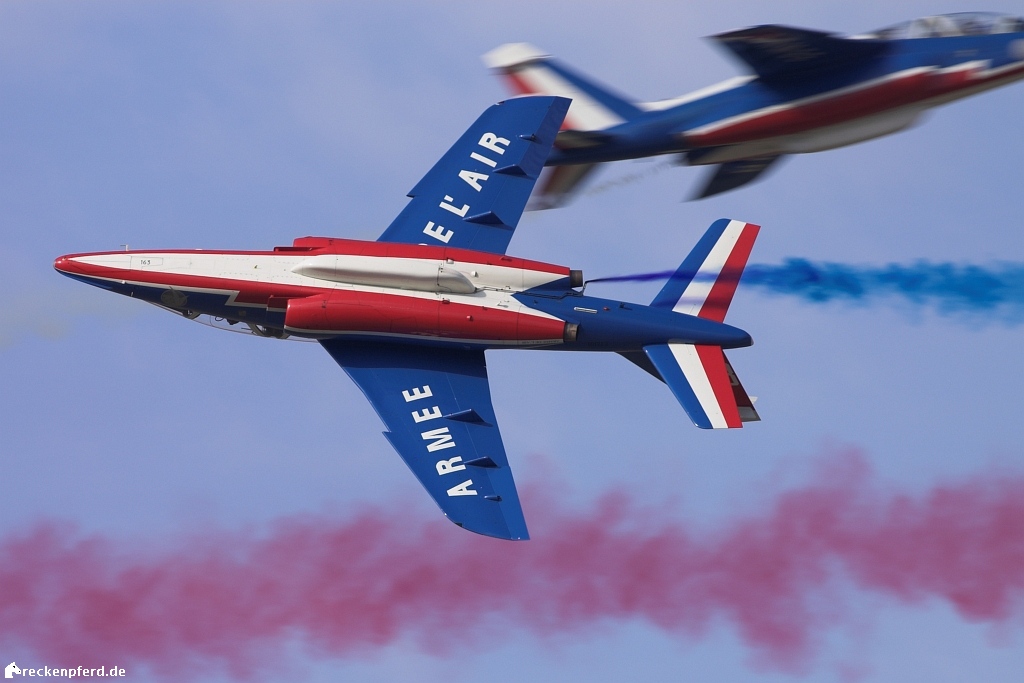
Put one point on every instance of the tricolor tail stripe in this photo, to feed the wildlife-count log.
(698, 378)
(529, 71)
(705, 282)
(723, 412)
(718, 299)
(584, 114)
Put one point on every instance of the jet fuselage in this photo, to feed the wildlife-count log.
(322, 288)
(748, 117)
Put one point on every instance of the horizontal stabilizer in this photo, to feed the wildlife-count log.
(640, 359)
(705, 282)
(744, 403)
(699, 379)
(784, 53)
(733, 174)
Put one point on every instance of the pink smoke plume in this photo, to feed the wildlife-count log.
(237, 599)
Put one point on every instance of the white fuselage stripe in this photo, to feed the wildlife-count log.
(273, 269)
(723, 86)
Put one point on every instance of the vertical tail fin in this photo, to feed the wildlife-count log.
(699, 375)
(706, 281)
(529, 71)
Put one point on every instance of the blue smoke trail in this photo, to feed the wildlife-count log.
(950, 288)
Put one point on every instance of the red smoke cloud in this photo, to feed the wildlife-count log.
(238, 598)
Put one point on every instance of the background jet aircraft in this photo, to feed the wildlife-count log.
(810, 91)
(409, 316)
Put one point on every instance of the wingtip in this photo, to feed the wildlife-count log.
(508, 534)
(703, 193)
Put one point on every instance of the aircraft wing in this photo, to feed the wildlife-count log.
(784, 53)
(733, 174)
(436, 405)
(559, 184)
(474, 196)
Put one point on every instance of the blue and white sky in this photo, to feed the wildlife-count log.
(244, 125)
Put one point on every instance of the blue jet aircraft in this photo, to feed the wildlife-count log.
(810, 91)
(410, 315)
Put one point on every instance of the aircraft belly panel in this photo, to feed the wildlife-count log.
(852, 132)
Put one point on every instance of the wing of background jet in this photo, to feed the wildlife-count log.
(436, 404)
(559, 184)
(784, 53)
(474, 196)
(733, 174)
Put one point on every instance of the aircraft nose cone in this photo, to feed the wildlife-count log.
(70, 265)
(93, 265)
(62, 264)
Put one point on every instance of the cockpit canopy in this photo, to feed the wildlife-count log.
(946, 25)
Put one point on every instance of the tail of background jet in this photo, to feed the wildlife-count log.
(527, 70)
(700, 376)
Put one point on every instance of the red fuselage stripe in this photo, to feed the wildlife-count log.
(841, 108)
(351, 311)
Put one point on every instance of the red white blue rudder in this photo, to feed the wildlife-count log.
(528, 70)
(705, 282)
